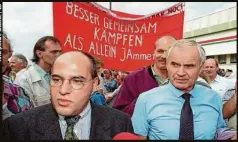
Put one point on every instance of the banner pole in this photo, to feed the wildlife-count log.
(110, 5)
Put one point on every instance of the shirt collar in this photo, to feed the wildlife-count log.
(82, 114)
(152, 68)
(178, 92)
(218, 78)
(155, 75)
(40, 70)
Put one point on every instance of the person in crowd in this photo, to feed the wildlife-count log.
(144, 79)
(35, 79)
(111, 97)
(14, 98)
(71, 115)
(229, 107)
(109, 83)
(228, 73)
(217, 82)
(97, 95)
(100, 65)
(8, 53)
(233, 76)
(116, 77)
(180, 109)
(17, 62)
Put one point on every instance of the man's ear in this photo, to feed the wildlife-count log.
(39, 53)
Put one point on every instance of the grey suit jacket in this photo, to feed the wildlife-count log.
(41, 123)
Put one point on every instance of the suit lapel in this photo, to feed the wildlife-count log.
(99, 125)
(47, 126)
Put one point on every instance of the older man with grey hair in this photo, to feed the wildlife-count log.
(181, 109)
(17, 62)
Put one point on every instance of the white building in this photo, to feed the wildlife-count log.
(217, 34)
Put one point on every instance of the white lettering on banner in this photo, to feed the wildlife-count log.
(102, 49)
(129, 27)
(134, 56)
(80, 13)
(115, 38)
(74, 42)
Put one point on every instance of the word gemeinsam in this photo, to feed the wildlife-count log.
(122, 42)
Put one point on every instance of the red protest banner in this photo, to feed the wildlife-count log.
(122, 41)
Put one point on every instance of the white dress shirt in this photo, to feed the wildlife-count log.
(221, 85)
(82, 127)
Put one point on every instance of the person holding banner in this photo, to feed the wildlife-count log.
(144, 79)
(181, 109)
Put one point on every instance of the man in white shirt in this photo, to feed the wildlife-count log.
(217, 82)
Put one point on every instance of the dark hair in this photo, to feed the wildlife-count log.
(229, 70)
(93, 63)
(40, 45)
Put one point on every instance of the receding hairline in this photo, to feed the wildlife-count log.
(183, 47)
(215, 61)
(165, 38)
(70, 54)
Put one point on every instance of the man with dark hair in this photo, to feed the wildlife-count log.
(71, 115)
(17, 62)
(35, 78)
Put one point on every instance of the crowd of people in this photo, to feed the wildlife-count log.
(181, 96)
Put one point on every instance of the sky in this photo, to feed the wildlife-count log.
(26, 22)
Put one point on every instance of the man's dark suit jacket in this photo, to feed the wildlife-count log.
(42, 123)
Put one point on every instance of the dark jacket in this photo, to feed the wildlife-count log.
(41, 123)
(133, 85)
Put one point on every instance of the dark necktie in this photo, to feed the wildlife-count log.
(69, 134)
(186, 120)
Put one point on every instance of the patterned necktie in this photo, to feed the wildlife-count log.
(69, 134)
(186, 131)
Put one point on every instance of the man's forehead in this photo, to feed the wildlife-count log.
(185, 52)
(210, 62)
(49, 44)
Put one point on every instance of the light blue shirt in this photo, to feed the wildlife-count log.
(82, 127)
(43, 73)
(157, 112)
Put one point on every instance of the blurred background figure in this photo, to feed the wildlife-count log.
(110, 84)
(17, 62)
(14, 98)
(97, 95)
(217, 82)
(229, 107)
(228, 73)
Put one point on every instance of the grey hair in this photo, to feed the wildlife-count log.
(182, 42)
(22, 58)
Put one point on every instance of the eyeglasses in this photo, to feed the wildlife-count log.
(75, 83)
